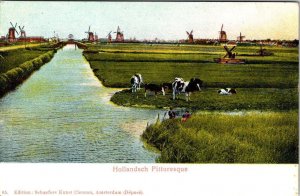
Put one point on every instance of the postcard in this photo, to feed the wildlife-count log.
(149, 98)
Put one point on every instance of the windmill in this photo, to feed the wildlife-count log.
(229, 53)
(229, 57)
(240, 38)
(22, 31)
(190, 36)
(222, 35)
(90, 36)
(109, 37)
(263, 52)
(120, 35)
(11, 33)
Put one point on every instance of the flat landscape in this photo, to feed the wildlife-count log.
(259, 124)
(160, 92)
(260, 121)
(268, 82)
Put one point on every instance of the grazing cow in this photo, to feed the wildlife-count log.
(136, 81)
(179, 86)
(167, 86)
(154, 88)
(140, 80)
(227, 91)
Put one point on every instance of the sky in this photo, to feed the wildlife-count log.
(150, 20)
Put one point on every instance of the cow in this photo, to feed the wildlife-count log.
(154, 88)
(227, 91)
(179, 86)
(167, 86)
(136, 81)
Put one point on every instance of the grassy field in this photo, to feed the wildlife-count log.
(268, 137)
(114, 67)
(17, 65)
(267, 84)
(20, 45)
(13, 58)
(213, 75)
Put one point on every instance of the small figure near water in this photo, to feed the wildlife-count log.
(171, 113)
(185, 116)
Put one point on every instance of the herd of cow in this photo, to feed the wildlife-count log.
(177, 86)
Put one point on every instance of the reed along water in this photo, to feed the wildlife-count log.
(62, 113)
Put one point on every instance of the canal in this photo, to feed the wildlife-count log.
(62, 113)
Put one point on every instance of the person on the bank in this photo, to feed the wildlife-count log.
(185, 116)
(171, 113)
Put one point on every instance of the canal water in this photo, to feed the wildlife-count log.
(62, 113)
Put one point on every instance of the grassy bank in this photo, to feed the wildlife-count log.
(209, 99)
(20, 65)
(16, 65)
(222, 138)
(13, 58)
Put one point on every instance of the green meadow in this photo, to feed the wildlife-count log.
(251, 137)
(267, 94)
(268, 80)
(14, 58)
(208, 99)
(115, 68)
(17, 65)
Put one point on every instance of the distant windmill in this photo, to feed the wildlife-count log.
(22, 31)
(90, 35)
(263, 52)
(190, 36)
(109, 37)
(240, 38)
(11, 33)
(222, 35)
(120, 35)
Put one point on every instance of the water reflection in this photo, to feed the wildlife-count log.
(62, 114)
